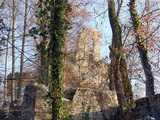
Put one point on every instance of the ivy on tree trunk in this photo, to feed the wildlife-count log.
(140, 42)
(56, 46)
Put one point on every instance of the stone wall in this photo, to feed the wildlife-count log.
(147, 108)
(91, 101)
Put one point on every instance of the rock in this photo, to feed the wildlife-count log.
(28, 104)
(69, 93)
(3, 115)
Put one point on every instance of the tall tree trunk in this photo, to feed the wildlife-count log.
(56, 48)
(44, 61)
(13, 49)
(43, 47)
(118, 64)
(5, 74)
(140, 42)
(22, 51)
(126, 81)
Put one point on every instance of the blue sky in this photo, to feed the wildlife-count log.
(100, 21)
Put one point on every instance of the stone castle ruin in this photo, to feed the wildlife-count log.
(88, 89)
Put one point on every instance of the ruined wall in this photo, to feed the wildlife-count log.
(146, 108)
(27, 78)
(91, 100)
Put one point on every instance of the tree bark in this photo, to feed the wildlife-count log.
(140, 42)
(22, 51)
(5, 74)
(13, 49)
(43, 46)
(118, 64)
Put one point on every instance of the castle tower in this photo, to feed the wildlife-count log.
(88, 49)
(96, 45)
(82, 53)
